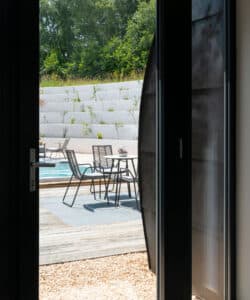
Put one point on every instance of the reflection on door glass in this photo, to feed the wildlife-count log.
(208, 199)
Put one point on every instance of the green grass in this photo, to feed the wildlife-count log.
(51, 82)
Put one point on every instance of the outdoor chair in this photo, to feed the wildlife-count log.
(60, 149)
(129, 178)
(89, 174)
(106, 167)
(101, 163)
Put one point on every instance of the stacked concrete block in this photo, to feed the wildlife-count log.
(108, 110)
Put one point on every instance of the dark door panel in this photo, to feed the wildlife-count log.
(19, 123)
(147, 157)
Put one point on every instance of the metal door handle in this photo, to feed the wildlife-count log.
(39, 164)
(36, 164)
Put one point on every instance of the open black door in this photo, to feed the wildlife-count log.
(19, 123)
(173, 44)
(147, 157)
(164, 152)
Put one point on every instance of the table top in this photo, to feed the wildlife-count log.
(117, 156)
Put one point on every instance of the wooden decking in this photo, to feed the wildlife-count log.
(62, 243)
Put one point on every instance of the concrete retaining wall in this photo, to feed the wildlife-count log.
(110, 109)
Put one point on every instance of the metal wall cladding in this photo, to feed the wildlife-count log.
(147, 160)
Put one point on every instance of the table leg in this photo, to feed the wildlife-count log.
(117, 185)
(106, 187)
(128, 184)
(133, 165)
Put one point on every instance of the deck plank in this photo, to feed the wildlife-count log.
(60, 242)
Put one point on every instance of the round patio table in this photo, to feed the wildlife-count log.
(120, 158)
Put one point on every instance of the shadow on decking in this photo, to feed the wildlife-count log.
(90, 229)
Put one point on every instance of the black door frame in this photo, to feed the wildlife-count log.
(20, 131)
(174, 149)
(230, 155)
(19, 102)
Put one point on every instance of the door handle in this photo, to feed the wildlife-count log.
(33, 166)
(42, 165)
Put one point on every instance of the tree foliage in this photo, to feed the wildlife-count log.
(95, 38)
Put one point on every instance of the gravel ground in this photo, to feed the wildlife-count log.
(123, 277)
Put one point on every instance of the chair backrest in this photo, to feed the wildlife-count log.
(65, 144)
(99, 151)
(73, 164)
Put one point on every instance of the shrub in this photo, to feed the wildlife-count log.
(99, 135)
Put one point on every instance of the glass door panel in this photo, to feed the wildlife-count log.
(208, 145)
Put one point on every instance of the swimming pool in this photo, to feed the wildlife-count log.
(61, 170)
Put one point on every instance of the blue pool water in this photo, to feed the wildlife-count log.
(61, 170)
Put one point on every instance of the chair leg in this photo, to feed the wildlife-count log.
(136, 196)
(116, 190)
(100, 186)
(119, 193)
(129, 190)
(113, 186)
(77, 189)
(106, 187)
(93, 183)
(91, 188)
(66, 191)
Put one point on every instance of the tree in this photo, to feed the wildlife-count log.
(95, 38)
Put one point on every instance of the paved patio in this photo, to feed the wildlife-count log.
(90, 229)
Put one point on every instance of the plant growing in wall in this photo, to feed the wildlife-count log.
(91, 113)
(41, 139)
(82, 108)
(102, 122)
(76, 97)
(122, 88)
(111, 109)
(117, 126)
(99, 135)
(67, 98)
(132, 110)
(86, 130)
(65, 131)
(125, 97)
(63, 115)
(94, 97)
(41, 136)
(72, 120)
(45, 119)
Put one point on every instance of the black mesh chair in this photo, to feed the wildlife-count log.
(60, 149)
(106, 167)
(89, 174)
(99, 160)
(129, 178)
